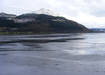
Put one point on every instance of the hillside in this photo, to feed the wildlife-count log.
(40, 23)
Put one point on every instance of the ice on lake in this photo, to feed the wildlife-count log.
(53, 54)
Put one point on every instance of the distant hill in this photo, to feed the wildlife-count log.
(38, 23)
(98, 29)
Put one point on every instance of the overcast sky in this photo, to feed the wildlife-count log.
(90, 13)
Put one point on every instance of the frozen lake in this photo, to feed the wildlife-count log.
(53, 54)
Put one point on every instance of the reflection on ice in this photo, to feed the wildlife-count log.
(13, 47)
(80, 52)
(75, 44)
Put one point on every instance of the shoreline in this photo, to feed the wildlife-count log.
(33, 33)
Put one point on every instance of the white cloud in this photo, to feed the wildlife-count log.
(90, 20)
(90, 13)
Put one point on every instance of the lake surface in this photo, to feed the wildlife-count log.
(53, 54)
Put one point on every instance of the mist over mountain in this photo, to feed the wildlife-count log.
(7, 16)
(40, 22)
(46, 12)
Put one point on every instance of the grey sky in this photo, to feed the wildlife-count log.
(91, 13)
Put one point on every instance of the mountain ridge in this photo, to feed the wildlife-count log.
(37, 23)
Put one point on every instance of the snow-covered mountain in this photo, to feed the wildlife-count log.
(41, 21)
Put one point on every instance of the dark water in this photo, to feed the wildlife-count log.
(53, 54)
